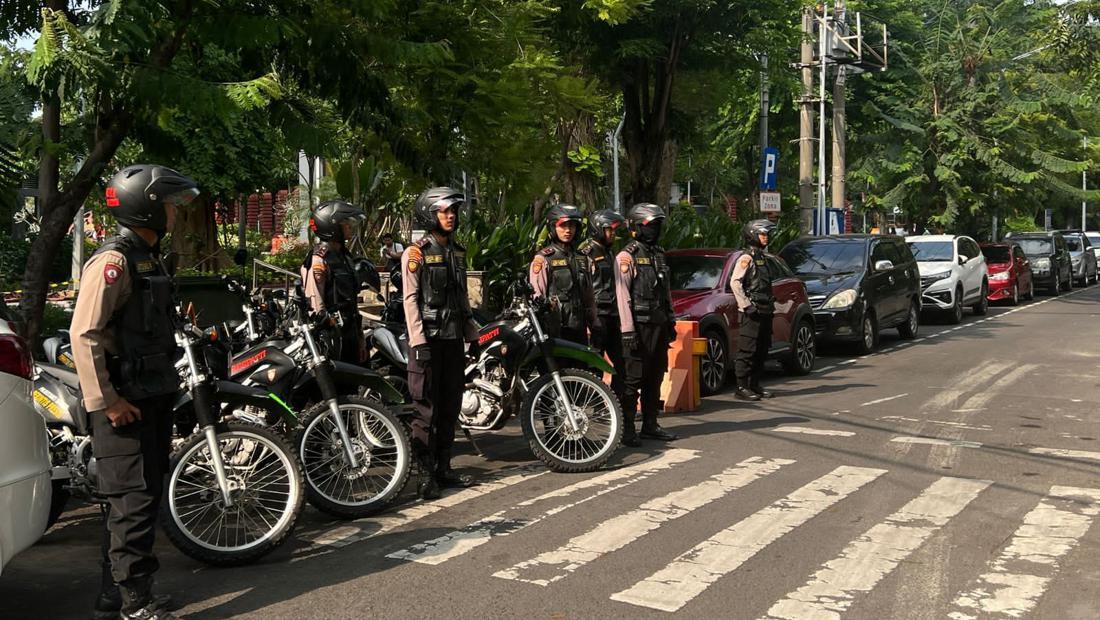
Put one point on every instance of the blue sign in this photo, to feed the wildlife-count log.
(834, 219)
(769, 168)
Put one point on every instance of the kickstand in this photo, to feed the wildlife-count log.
(470, 438)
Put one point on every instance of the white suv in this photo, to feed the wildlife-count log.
(953, 274)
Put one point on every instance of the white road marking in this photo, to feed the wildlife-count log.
(946, 398)
(624, 529)
(969, 427)
(1069, 454)
(933, 441)
(457, 542)
(872, 556)
(804, 430)
(690, 574)
(824, 368)
(980, 400)
(1016, 580)
(883, 400)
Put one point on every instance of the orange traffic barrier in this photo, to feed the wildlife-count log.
(680, 389)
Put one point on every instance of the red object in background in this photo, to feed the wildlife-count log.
(253, 211)
(1008, 259)
(267, 217)
(847, 216)
(280, 210)
(731, 207)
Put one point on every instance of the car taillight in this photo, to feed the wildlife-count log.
(15, 356)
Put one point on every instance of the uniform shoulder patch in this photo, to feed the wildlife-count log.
(416, 257)
(624, 263)
(111, 272)
(537, 264)
(744, 261)
(547, 251)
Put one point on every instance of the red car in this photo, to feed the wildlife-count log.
(1009, 272)
(701, 292)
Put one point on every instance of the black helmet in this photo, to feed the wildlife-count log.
(752, 231)
(433, 201)
(137, 195)
(604, 219)
(367, 274)
(562, 214)
(327, 218)
(644, 213)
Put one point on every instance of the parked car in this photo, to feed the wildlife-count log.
(1094, 241)
(1009, 273)
(24, 449)
(700, 282)
(1081, 256)
(953, 274)
(1051, 267)
(858, 285)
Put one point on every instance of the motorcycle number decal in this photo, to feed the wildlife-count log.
(66, 360)
(46, 401)
(489, 335)
(247, 362)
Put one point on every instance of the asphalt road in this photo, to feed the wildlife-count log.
(954, 476)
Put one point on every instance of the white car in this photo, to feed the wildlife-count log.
(25, 488)
(953, 274)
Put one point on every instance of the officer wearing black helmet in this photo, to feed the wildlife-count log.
(330, 276)
(752, 287)
(437, 312)
(646, 320)
(598, 250)
(123, 345)
(559, 275)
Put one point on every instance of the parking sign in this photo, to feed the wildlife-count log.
(770, 202)
(769, 168)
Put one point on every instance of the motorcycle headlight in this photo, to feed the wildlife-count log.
(842, 299)
(1042, 264)
(935, 277)
(1000, 276)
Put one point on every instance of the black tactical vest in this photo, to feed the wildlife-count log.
(341, 292)
(443, 289)
(651, 300)
(564, 281)
(143, 327)
(601, 266)
(757, 282)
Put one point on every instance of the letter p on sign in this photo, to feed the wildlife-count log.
(769, 168)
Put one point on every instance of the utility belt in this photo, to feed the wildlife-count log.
(437, 320)
(646, 313)
(144, 375)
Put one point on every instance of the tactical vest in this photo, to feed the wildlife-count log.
(757, 282)
(443, 289)
(564, 281)
(651, 300)
(601, 266)
(144, 327)
(341, 292)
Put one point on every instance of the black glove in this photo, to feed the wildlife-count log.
(630, 342)
(598, 338)
(750, 311)
(422, 353)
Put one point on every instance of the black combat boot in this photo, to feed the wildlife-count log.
(427, 487)
(743, 392)
(138, 602)
(109, 602)
(755, 388)
(652, 430)
(447, 477)
(630, 434)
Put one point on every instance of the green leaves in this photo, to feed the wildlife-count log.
(586, 159)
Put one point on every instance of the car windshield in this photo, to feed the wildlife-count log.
(694, 272)
(1094, 239)
(824, 257)
(933, 250)
(996, 254)
(1073, 244)
(1035, 247)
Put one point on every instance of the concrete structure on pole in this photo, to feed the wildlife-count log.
(805, 126)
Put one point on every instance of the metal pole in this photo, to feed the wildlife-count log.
(78, 248)
(615, 162)
(764, 103)
(821, 206)
(840, 123)
(1084, 184)
(806, 125)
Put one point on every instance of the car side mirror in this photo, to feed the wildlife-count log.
(883, 265)
(963, 258)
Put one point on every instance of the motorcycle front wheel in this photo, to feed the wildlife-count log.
(554, 440)
(265, 480)
(381, 447)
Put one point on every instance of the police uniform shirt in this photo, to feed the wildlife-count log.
(105, 286)
(412, 261)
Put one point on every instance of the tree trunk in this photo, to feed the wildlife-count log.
(195, 237)
(579, 187)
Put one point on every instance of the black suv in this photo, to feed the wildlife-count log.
(857, 285)
(1051, 266)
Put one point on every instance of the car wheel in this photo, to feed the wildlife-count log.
(1031, 290)
(982, 306)
(715, 363)
(868, 334)
(1015, 299)
(803, 354)
(1069, 282)
(908, 329)
(955, 314)
(1056, 289)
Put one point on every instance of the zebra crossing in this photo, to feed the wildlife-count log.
(1011, 583)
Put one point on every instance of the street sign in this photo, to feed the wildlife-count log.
(769, 168)
(770, 203)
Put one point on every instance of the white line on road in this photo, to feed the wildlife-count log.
(624, 529)
(933, 441)
(1069, 454)
(1018, 577)
(804, 430)
(872, 556)
(690, 574)
(983, 427)
(980, 400)
(883, 400)
(458, 542)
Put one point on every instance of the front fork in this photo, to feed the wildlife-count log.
(206, 412)
(322, 370)
(555, 373)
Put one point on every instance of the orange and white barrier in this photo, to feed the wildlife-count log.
(680, 389)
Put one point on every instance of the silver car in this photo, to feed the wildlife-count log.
(1082, 257)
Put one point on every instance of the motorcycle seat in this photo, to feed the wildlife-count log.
(63, 374)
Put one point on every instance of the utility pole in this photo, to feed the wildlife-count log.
(840, 121)
(822, 52)
(805, 125)
(1084, 184)
(764, 102)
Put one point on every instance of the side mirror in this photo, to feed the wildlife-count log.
(240, 257)
(883, 265)
(963, 258)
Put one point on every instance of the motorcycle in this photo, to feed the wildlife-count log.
(233, 490)
(355, 453)
(572, 421)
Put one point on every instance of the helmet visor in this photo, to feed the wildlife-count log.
(447, 203)
(352, 226)
(182, 197)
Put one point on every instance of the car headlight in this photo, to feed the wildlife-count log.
(843, 299)
(1042, 264)
(942, 275)
(1076, 261)
(1001, 276)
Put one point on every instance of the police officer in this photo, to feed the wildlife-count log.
(606, 335)
(752, 287)
(123, 344)
(559, 274)
(329, 272)
(437, 311)
(646, 320)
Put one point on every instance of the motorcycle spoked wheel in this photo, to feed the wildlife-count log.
(549, 434)
(266, 482)
(381, 444)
